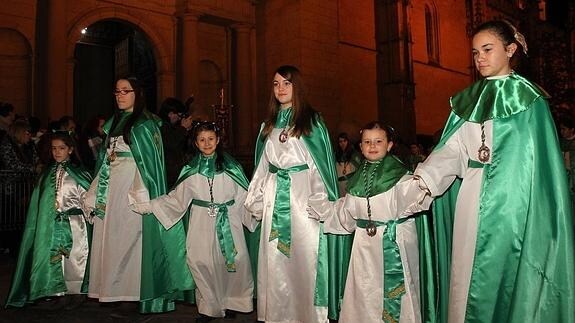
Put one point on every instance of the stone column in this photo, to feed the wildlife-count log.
(189, 55)
(57, 69)
(244, 107)
(396, 87)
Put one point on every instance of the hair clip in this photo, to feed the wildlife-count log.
(58, 131)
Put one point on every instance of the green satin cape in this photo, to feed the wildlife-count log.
(164, 273)
(334, 250)
(35, 276)
(523, 269)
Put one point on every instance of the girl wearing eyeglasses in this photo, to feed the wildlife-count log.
(210, 195)
(133, 258)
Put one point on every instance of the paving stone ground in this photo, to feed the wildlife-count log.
(92, 311)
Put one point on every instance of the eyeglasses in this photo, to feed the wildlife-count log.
(122, 92)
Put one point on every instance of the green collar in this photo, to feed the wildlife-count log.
(284, 117)
(489, 99)
(385, 174)
(207, 165)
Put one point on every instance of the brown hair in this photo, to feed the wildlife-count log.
(303, 114)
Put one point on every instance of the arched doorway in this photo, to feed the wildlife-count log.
(15, 71)
(109, 49)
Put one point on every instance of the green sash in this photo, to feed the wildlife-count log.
(223, 231)
(393, 277)
(333, 250)
(281, 218)
(62, 235)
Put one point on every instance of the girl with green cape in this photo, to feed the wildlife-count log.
(383, 281)
(53, 254)
(133, 258)
(295, 165)
(503, 224)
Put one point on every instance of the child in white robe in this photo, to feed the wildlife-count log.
(212, 186)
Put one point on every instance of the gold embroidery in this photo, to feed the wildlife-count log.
(398, 291)
(387, 317)
(284, 248)
(274, 234)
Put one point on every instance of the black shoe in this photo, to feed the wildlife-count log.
(75, 301)
(55, 303)
(204, 318)
(230, 314)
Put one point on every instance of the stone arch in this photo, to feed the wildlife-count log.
(159, 45)
(16, 70)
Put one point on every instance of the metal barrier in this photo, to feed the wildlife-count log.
(15, 192)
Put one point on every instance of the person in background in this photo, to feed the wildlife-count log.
(416, 155)
(567, 142)
(53, 256)
(7, 116)
(17, 151)
(347, 160)
(67, 123)
(133, 258)
(175, 126)
(91, 139)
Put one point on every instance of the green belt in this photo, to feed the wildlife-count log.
(393, 277)
(223, 231)
(475, 164)
(345, 177)
(103, 183)
(62, 235)
(281, 218)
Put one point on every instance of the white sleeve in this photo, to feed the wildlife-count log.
(443, 165)
(170, 208)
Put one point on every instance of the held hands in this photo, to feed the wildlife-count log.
(319, 210)
(143, 208)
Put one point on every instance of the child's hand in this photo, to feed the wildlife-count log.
(319, 209)
(142, 208)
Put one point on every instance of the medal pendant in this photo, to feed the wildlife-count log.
(483, 153)
(371, 229)
(283, 136)
(212, 210)
(112, 156)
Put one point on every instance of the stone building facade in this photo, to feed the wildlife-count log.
(395, 60)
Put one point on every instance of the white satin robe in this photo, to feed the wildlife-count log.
(286, 285)
(438, 171)
(217, 289)
(74, 267)
(116, 257)
(363, 295)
